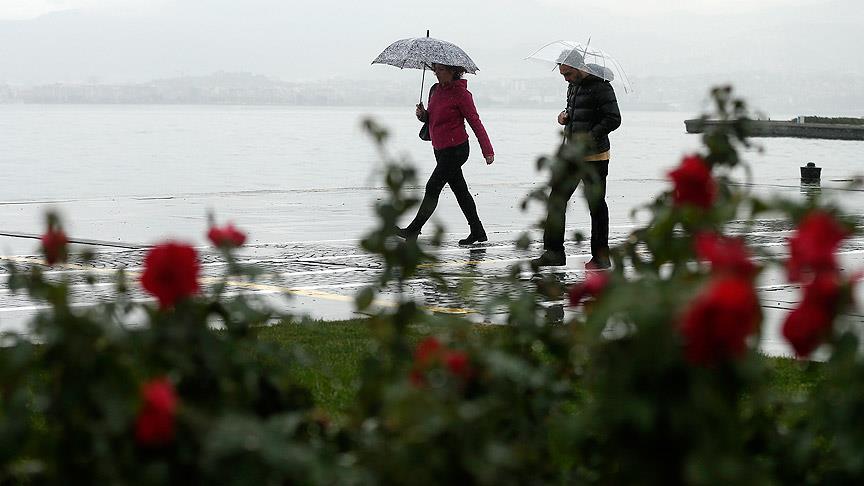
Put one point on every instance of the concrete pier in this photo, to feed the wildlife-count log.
(789, 129)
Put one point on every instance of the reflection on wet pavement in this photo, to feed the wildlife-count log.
(319, 279)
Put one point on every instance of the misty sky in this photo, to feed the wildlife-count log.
(45, 41)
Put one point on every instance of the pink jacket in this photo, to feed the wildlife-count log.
(449, 107)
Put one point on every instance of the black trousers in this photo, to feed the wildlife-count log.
(448, 170)
(593, 174)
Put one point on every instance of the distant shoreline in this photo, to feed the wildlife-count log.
(763, 93)
(522, 106)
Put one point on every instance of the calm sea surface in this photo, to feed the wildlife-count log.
(71, 152)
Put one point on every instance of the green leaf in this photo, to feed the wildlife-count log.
(364, 298)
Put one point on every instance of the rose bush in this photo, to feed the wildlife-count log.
(142, 393)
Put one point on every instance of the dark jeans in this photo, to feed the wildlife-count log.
(448, 170)
(594, 175)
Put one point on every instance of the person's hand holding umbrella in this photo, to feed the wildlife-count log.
(420, 112)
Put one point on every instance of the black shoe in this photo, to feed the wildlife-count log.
(407, 234)
(550, 258)
(477, 235)
(598, 264)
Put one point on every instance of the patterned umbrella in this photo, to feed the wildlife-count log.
(421, 52)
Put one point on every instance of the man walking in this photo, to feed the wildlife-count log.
(591, 114)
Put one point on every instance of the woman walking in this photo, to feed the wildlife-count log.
(450, 105)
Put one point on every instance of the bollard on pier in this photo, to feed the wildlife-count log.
(810, 173)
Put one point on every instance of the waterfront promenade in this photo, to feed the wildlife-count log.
(314, 269)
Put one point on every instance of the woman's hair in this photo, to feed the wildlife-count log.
(457, 71)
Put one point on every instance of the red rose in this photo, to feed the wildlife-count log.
(417, 378)
(54, 246)
(811, 249)
(728, 256)
(824, 290)
(457, 363)
(593, 286)
(427, 351)
(693, 183)
(171, 273)
(226, 237)
(430, 352)
(716, 325)
(154, 425)
(807, 326)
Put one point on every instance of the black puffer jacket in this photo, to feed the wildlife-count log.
(593, 109)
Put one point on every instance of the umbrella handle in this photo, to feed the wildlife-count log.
(422, 83)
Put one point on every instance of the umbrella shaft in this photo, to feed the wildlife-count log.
(422, 83)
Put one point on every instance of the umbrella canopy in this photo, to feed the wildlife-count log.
(421, 52)
(584, 58)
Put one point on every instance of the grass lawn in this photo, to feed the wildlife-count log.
(333, 352)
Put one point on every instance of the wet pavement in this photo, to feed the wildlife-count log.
(305, 244)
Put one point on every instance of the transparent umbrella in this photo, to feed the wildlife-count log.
(422, 52)
(586, 58)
